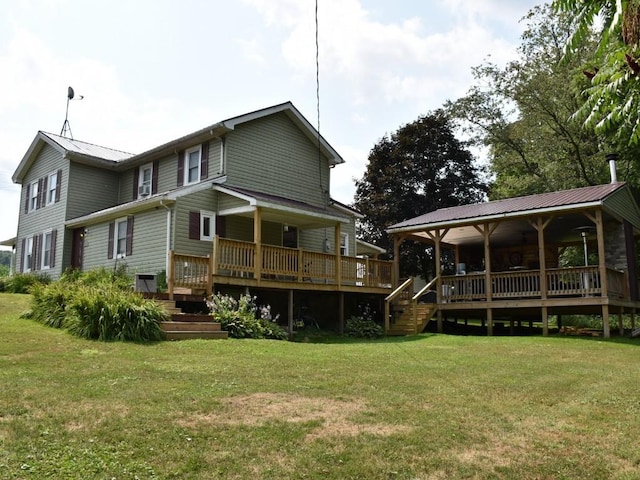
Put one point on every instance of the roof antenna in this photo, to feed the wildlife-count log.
(66, 126)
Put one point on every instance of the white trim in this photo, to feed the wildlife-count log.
(141, 182)
(236, 210)
(212, 225)
(233, 193)
(187, 153)
(44, 243)
(346, 244)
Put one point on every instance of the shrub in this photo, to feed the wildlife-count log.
(363, 328)
(240, 317)
(22, 282)
(98, 304)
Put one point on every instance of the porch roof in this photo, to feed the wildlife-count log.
(615, 199)
(281, 210)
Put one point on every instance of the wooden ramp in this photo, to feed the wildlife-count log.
(185, 326)
(410, 318)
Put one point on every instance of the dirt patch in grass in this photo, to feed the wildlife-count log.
(335, 416)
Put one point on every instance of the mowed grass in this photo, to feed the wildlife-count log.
(425, 407)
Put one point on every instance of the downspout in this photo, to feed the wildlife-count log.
(166, 260)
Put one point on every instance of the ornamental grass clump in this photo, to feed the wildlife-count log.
(242, 318)
(99, 304)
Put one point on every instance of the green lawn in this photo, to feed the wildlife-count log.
(426, 407)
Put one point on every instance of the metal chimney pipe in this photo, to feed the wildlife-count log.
(612, 158)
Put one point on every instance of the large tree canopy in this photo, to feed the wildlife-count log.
(523, 111)
(418, 169)
(612, 104)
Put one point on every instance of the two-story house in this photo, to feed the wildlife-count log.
(241, 203)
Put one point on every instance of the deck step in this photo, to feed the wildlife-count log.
(190, 326)
(193, 335)
(191, 317)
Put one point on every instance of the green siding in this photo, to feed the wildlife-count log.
(272, 155)
(48, 161)
(205, 200)
(90, 190)
(227, 202)
(149, 244)
(623, 204)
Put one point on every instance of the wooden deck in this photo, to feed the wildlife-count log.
(240, 263)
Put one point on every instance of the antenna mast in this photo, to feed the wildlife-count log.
(66, 126)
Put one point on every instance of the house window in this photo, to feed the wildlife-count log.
(144, 180)
(47, 245)
(344, 244)
(33, 199)
(207, 226)
(27, 255)
(120, 239)
(192, 165)
(52, 188)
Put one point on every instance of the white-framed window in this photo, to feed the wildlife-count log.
(344, 244)
(120, 238)
(47, 246)
(33, 196)
(27, 255)
(192, 165)
(144, 180)
(52, 188)
(207, 225)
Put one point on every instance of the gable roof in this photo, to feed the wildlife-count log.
(112, 158)
(514, 207)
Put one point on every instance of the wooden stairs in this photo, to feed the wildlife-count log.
(407, 322)
(185, 326)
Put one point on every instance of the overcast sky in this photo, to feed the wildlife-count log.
(153, 70)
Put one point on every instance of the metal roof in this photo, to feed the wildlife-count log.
(542, 201)
(89, 149)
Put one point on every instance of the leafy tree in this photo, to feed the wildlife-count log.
(522, 113)
(612, 104)
(418, 169)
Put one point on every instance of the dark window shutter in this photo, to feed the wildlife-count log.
(24, 245)
(181, 168)
(194, 225)
(27, 198)
(204, 161)
(154, 177)
(52, 255)
(43, 193)
(39, 198)
(35, 257)
(221, 226)
(112, 231)
(136, 179)
(58, 185)
(129, 250)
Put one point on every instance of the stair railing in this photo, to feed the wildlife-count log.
(414, 302)
(392, 296)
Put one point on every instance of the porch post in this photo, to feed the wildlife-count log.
(540, 226)
(397, 240)
(545, 321)
(171, 275)
(257, 239)
(620, 325)
(601, 256)
(605, 321)
(336, 251)
(437, 239)
(490, 322)
(290, 313)
(487, 230)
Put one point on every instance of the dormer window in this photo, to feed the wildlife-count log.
(192, 165)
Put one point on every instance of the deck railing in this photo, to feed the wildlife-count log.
(238, 258)
(561, 282)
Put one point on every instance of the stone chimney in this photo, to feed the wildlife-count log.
(612, 158)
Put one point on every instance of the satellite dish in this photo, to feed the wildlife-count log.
(70, 93)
